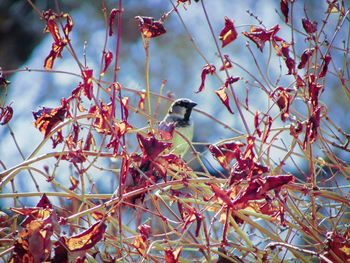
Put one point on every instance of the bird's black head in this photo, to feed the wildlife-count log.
(182, 107)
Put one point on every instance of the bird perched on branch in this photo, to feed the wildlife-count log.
(177, 126)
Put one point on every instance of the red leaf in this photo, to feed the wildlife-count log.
(285, 9)
(300, 82)
(256, 123)
(226, 152)
(54, 53)
(145, 231)
(59, 42)
(47, 118)
(246, 167)
(310, 27)
(124, 170)
(260, 35)
(339, 244)
(305, 57)
(258, 188)
(69, 24)
(282, 99)
(227, 63)
(312, 125)
(172, 256)
(102, 115)
(52, 27)
(74, 183)
(314, 90)
(89, 141)
(267, 129)
(112, 15)
(228, 33)
(150, 146)
(221, 194)
(150, 28)
(125, 105)
(207, 69)
(6, 114)
(295, 129)
(324, 70)
(86, 239)
(43, 203)
(107, 57)
(224, 98)
(222, 92)
(87, 78)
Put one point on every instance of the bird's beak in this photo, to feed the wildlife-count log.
(192, 104)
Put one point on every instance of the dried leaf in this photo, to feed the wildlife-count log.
(226, 152)
(284, 9)
(207, 69)
(309, 27)
(107, 58)
(172, 256)
(305, 57)
(150, 28)
(47, 118)
(324, 70)
(112, 15)
(86, 239)
(6, 114)
(150, 146)
(260, 35)
(228, 33)
(87, 78)
(227, 63)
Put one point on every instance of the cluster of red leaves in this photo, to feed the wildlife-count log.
(47, 119)
(141, 240)
(267, 120)
(246, 168)
(221, 92)
(34, 243)
(261, 35)
(149, 27)
(76, 146)
(6, 114)
(59, 42)
(313, 122)
(151, 166)
(172, 255)
(189, 215)
(340, 245)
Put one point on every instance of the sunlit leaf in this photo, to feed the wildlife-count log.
(228, 33)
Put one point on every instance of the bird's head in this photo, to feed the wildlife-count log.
(182, 107)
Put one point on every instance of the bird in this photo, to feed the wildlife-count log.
(177, 125)
(177, 128)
